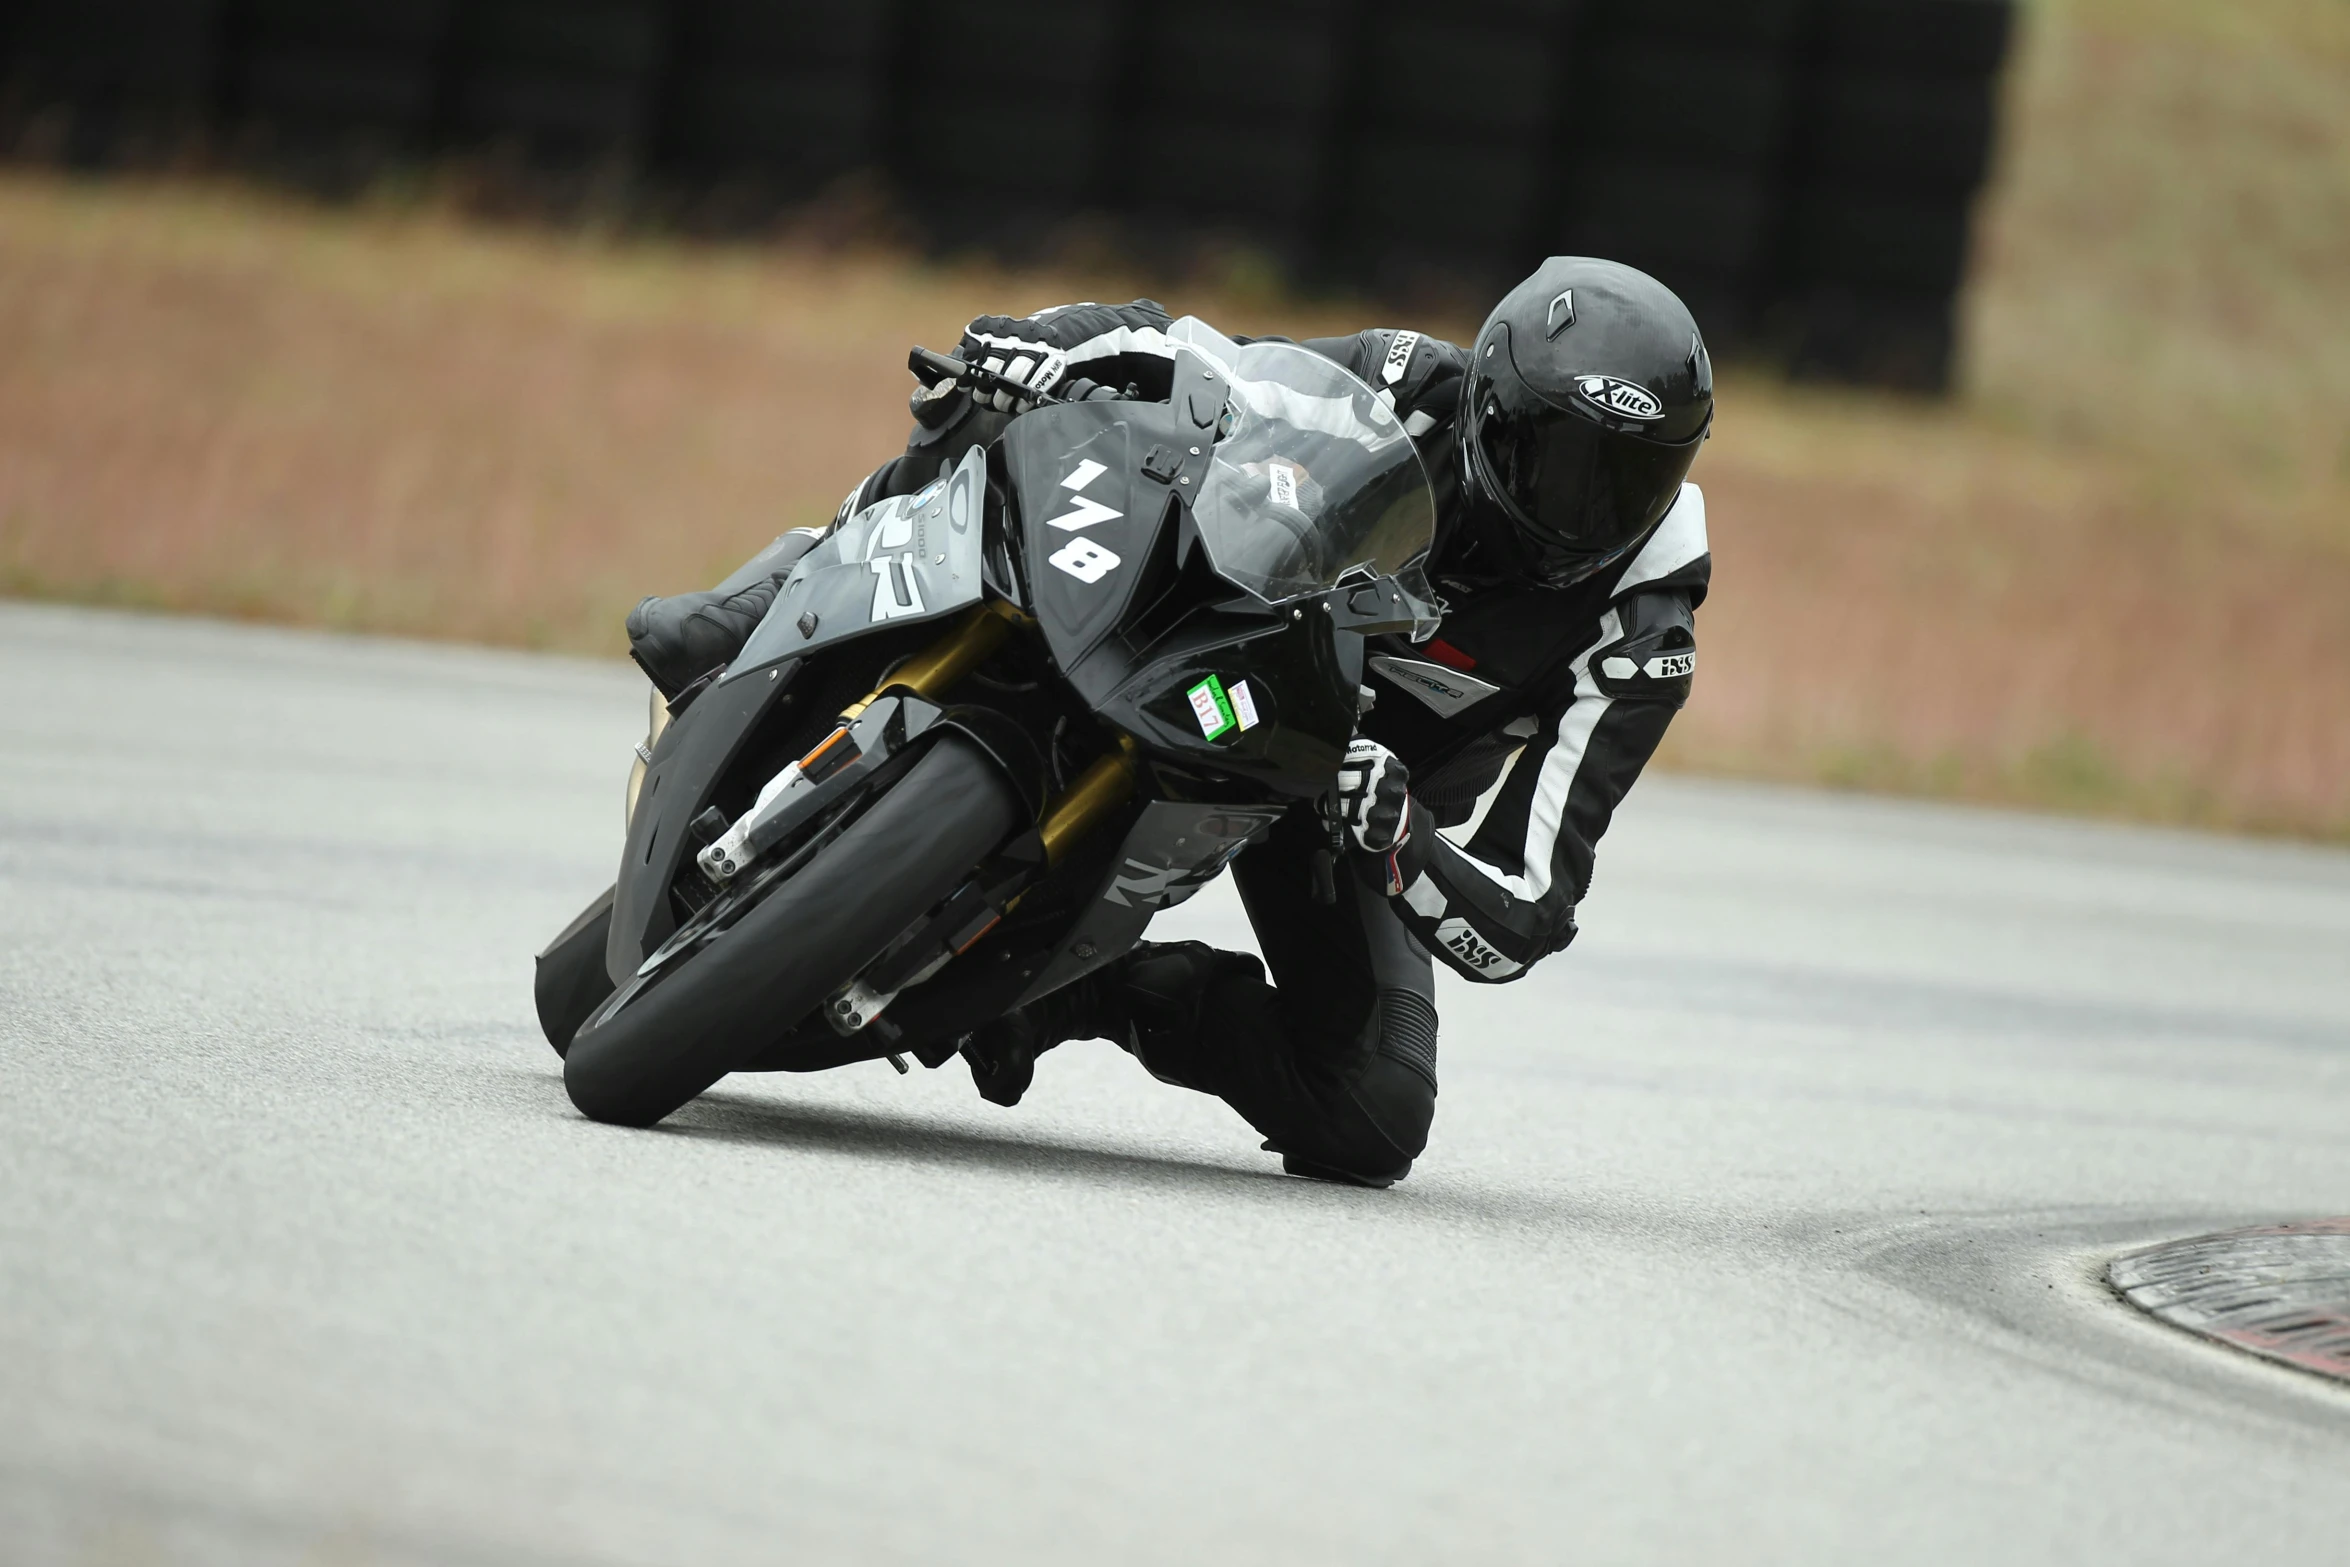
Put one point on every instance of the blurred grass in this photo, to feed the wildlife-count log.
(2164, 268)
(2113, 576)
(214, 398)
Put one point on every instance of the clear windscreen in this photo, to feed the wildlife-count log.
(1312, 475)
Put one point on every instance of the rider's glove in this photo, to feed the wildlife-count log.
(1374, 797)
(990, 344)
(1034, 351)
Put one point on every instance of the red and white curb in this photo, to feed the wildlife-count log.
(2280, 1291)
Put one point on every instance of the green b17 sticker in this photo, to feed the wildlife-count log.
(1220, 710)
(1211, 707)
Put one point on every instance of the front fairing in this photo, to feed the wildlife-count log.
(898, 562)
(1312, 480)
(1097, 529)
(1153, 637)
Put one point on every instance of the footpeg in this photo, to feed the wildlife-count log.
(857, 1005)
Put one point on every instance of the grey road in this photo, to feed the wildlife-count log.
(1763, 1227)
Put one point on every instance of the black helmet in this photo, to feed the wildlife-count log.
(1588, 394)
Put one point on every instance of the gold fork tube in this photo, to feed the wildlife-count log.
(1097, 791)
(931, 673)
(934, 671)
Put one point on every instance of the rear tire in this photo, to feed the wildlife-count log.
(808, 937)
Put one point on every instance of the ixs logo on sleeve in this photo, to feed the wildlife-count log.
(1663, 666)
(1399, 357)
(1457, 937)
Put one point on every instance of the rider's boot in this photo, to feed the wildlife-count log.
(678, 640)
(1166, 983)
(1002, 1054)
(1152, 993)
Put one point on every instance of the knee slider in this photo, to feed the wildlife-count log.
(1400, 1102)
(1396, 1091)
(1375, 1129)
(1374, 1140)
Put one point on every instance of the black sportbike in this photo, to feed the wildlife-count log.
(987, 730)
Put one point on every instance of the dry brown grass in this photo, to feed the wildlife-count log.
(2117, 575)
(215, 400)
(2165, 261)
(2114, 576)
(1917, 603)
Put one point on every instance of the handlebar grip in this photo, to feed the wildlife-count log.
(930, 368)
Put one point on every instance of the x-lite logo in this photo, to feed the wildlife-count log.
(1081, 557)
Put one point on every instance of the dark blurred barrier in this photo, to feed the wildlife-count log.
(784, 95)
(359, 77)
(1679, 117)
(1801, 170)
(1895, 112)
(133, 76)
(1000, 112)
(571, 80)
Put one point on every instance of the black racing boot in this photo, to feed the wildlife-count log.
(1166, 983)
(678, 640)
(1002, 1054)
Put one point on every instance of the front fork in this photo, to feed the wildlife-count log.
(927, 677)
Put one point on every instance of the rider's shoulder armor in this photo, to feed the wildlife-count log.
(1654, 601)
(1654, 654)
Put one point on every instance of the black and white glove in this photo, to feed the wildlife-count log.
(1036, 351)
(1374, 797)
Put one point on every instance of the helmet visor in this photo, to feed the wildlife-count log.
(1580, 493)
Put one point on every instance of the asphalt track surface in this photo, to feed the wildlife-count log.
(1763, 1227)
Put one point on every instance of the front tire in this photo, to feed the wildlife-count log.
(807, 938)
(572, 981)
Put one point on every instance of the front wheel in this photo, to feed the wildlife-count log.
(808, 937)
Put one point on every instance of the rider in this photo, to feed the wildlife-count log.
(1572, 556)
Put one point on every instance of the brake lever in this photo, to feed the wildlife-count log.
(930, 368)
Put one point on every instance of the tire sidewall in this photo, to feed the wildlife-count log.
(809, 936)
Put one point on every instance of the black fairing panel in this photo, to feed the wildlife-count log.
(898, 562)
(693, 754)
(1299, 671)
(1288, 688)
(1088, 540)
(1173, 849)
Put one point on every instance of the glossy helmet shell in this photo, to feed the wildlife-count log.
(1589, 392)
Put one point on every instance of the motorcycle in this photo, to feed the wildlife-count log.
(987, 730)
